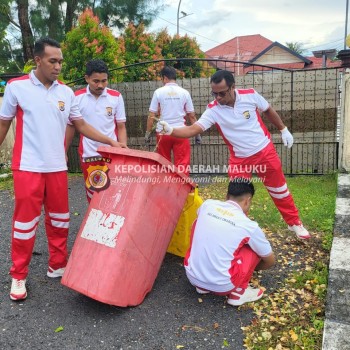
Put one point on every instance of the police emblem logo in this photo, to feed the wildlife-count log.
(97, 179)
(109, 111)
(246, 114)
(61, 106)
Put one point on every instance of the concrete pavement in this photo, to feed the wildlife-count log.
(337, 322)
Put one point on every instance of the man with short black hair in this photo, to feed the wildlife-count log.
(42, 107)
(226, 247)
(236, 113)
(173, 104)
(104, 109)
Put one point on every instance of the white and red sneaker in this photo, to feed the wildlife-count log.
(300, 231)
(18, 289)
(240, 296)
(202, 291)
(55, 273)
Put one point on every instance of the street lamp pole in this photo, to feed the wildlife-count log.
(178, 18)
(346, 22)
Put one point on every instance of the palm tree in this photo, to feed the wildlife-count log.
(296, 46)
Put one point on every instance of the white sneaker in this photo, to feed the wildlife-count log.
(300, 231)
(202, 291)
(250, 294)
(55, 273)
(18, 289)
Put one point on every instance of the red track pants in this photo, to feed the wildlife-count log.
(32, 190)
(181, 150)
(267, 165)
(242, 273)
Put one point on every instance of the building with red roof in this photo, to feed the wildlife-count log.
(255, 50)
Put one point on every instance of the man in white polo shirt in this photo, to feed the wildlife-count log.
(226, 247)
(103, 108)
(173, 104)
(42, 107)
(236, 113)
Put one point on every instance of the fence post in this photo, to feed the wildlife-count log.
(344, 142)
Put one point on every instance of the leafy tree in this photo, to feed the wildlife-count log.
(11, 60)
(47, 20)
(296, 47)
(182, 47)
(87, 41)
(5, 55)
(55, 18)
(22, 25)
(139, 47)
(120, 13)
(48, 17)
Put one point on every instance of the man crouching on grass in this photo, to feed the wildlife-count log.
(226, 247)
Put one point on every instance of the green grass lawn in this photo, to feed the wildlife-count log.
(6, 183)
(291, 316)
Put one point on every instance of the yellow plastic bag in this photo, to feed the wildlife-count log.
(180, 240)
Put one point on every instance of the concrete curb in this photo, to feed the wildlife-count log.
(337, 320)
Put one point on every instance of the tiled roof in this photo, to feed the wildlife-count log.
(240, 48)
(251, 47)
(318, 62)
(284, 48)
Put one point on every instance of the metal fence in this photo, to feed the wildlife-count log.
(306, 100)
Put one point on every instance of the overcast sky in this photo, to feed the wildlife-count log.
(318, 24)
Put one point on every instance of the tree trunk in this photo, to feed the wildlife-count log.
(26, 31)
(54, 20)
(71, 7)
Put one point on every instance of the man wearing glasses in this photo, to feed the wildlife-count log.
(235, 112)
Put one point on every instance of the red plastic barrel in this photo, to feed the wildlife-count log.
(127, 228)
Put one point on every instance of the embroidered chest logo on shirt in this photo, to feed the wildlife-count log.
(61, 106)
(246, 114)
(109, 111)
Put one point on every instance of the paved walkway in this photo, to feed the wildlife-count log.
(337, 322)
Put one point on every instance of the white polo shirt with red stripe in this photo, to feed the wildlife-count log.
(102, 113)
(172, 102)
(241, 126)
(221, 230)
(41, 119)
